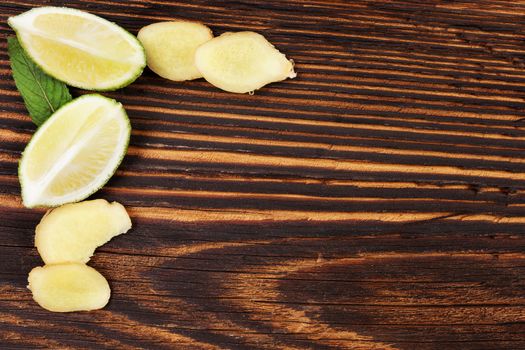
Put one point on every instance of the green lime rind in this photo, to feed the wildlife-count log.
(133, 75)
(94, 188)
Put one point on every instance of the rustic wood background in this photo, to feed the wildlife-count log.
(375, 202)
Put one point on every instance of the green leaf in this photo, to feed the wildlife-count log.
(42, 94)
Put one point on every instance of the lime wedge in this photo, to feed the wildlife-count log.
(79, 48)
(75, 152)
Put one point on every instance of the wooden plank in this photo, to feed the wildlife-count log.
(375, 202)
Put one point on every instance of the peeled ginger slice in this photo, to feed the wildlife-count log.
(242, 62)
(69, 287)
(170, 48)
(72, 232)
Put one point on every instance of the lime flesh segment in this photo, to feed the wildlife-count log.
(79, 48)
(71, 64)
(75, 152)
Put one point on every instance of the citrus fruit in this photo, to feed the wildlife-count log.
(75, 152)
(79, 48)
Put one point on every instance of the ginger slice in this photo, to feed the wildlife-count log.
(170, 48)
(242, 62)
(69, 287)
(72, 232)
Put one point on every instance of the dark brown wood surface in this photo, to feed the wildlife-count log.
(375, 202)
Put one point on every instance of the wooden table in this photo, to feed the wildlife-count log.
(375, 202)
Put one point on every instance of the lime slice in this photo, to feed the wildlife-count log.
(79, 48)
(75, 152)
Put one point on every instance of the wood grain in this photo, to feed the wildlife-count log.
(375, 202)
